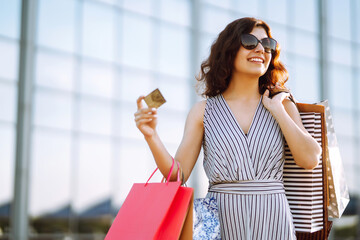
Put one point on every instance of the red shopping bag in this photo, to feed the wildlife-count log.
(155, 211)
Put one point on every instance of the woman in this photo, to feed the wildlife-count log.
(242, 131)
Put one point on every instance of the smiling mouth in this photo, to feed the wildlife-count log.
(256, 60)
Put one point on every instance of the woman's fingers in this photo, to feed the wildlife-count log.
(145, 116)
(281, 96)
(142, 121)
(145, 111)
(284, 95)
(139, 102)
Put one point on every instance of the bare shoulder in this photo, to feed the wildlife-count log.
(199, 106)
(197, 112)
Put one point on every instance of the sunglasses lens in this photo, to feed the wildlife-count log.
(249, 41)
(269, 44)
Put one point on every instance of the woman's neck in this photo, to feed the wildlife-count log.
(242, 87)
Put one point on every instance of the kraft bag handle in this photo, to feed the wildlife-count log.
(170, 172)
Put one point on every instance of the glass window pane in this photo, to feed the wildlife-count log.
(285, 58)
(357, 86)
(356, 5)
(140, 6)
(125, 116)
(135, 160)
(343, 121)
(340, 51)
(174, 52)
(9, 60)
(305, 15)
(10, 18)
(137, 43)
(357, 64)
(306, 78)
(8, 102)
(290, 65)
(250, 8)
(206, 40)
(176, 11)
(276, 11)
(56, 27)
(171, 127)
(347, 151)
(177, 93)
(214, 20)
(54, 71)
(112, 2)
(53, 109)
(280, 34)
(7, 163)
(221, 4)
(98, 36)
(94, 172)
(95, 116)
(340, 80)
(133, 84)
(170, 124)
(339, 19)
(97, 79)
(304, 44)
(50, 172)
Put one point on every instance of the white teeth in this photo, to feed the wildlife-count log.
(255, 60)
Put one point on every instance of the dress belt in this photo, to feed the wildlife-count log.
(270, 186)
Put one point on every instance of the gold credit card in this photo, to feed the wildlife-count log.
(154, 99)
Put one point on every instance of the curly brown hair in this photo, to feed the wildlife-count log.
(216, 70)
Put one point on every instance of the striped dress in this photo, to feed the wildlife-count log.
(245, 173)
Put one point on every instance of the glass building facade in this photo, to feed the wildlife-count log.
(90, 61)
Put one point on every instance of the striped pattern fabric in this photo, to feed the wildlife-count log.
(304, 188)
(249, 187)
(245, 173)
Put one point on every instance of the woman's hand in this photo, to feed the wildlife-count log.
(145, 118)
(275, 103)
(304, 148)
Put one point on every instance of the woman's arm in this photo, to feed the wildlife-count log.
(304, 148)
(190, 146)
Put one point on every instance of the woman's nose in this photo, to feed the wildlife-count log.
(260, 48)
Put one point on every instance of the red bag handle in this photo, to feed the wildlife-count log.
(170, 172)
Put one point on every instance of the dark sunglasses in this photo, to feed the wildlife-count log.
(249, 42)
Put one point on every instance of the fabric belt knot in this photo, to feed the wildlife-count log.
(253, 187)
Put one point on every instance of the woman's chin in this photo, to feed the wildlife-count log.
(256, 74)
(257, 71)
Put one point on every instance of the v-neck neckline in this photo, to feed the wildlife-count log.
(233, 116)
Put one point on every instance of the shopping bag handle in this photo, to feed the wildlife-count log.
(170, 172)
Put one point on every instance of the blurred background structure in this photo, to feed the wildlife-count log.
(71, 70)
